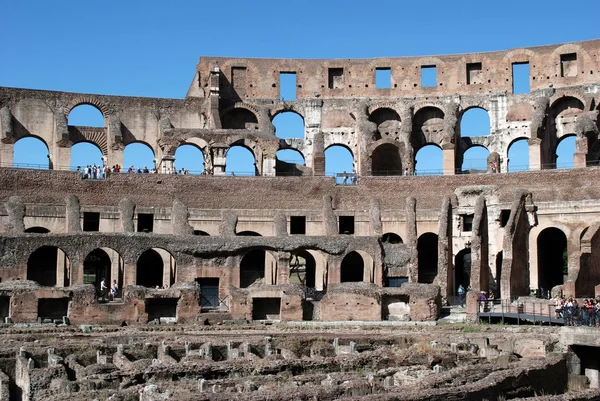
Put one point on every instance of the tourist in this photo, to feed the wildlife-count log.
(461, 295)
(103, 289)
(114, 288)
(406, 171)
(345, 175)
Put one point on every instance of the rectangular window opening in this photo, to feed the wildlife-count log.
(298, 225)
(395, 281)
(287, 85)
(474, 73)
(91, 221)
(568, 65)
(266, 308)
(336, 78)
(428, 76)
(520, 78)
(209, 292)
(346, 224)
(504, 216)
(145, 222)
(383, 78)
(467, 222)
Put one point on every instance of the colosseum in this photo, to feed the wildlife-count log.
(292, 247)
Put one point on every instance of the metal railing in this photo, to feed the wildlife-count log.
(506, 309)
(214, 303)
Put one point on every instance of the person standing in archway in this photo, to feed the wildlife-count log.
(461, 295)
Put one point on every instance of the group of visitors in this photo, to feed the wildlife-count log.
(352, 176)
(575, 314)
(92, 172)
(97, 172)
(105, 292)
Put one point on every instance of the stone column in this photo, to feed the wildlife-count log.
(167, 164)
(448, 159)
(535, 153)
(581, 151)
(219, 161)
(283, 268)
(6, 137)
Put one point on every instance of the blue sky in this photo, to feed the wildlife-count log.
(150, 48)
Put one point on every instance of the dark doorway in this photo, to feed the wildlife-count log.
(145, 222)
(346, 225)
(552, 258)
(96, 266)
(298, 225)
(462, 268)
(302, 269)
(53, 308)
(209, 292)
(4, 307)
(427, 248)
(266, 308)
(150, 269)
(352, 268)
(386, 160)
(42, 265)
(498, 274)
(252, 268)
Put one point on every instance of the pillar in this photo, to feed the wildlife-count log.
(219, 160)
(581, 151)
(535, 153)
(448, 162)
(167, 164)
(283, 268)
(268, 167)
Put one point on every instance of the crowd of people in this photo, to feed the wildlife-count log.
(98, 172)
(586, 313)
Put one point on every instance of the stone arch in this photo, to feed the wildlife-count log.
(428, 126)
(431, 166)
(88, 100)
(518, 56)
(82, 106)
(303, 269)
(97, 265)
(192, 164)
(477, 162)
(289, 120)
(254, 150)
(552, 258)
(343, 167)
(386, 160)
(240, 116)
(49, 266)
(517, 161)
(391, 238)
(352, 268)
(462, 268)
(82, 157)
(427, 250)
(257, 267)
(155, 267)
(387, 119)
(134, 159)
(26, 157)
(468, 117)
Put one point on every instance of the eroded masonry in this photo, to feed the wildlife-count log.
(288, 243)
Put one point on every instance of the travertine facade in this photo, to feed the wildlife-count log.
(312, 241)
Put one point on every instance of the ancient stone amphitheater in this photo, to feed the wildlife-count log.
(265, 285)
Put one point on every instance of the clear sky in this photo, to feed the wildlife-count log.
(150, 48)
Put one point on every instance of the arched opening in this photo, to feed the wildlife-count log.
(201, 233)
(498, 275)
(387, 120)
(248, 233)
(37, 230)
(31, 152)
(240, 161)
(352, 268)
(45, 264)
(427, 250)
(462, 268)
(552, 258)
(138, 155)
(565, 152)
(518, 155)
(189, 159)
(428, 127)
(239, 118)
(429, 160)
(338, 160)
(289, 125)
(475, 122)
(85, 115)
(386, 160)
(303, 269)
(97, 266)
(391, 238)
(288, 161)
(475, 160)
(155, 268)
(252, 268)
(86, 154)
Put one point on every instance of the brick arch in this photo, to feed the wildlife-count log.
(423, 105)
(95, 137)
(283, 107)
(518, 56)
(91, 101)
(566, 94)
(249, 144)
(240, 105)
(384, 105)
